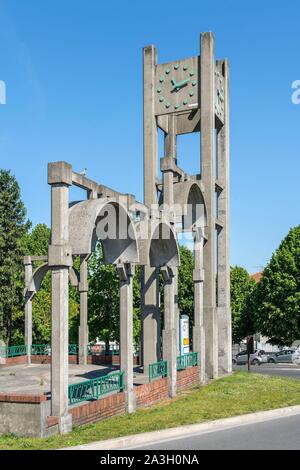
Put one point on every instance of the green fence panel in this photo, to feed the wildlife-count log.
(158, 369)
(95, 388)
(13, 351)
(41, 349)
(187, 360)
(73, 349)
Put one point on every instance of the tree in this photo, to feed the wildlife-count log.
(36, 242)
(241, 288)
(13, 226)
(185, 283)
(276, 301)
(103, 299)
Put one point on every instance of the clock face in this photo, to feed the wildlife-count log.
(176, 86)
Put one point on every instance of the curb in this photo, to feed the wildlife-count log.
(138, 440)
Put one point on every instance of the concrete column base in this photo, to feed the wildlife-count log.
(211, 342)
(65, 424)
(130, 400)
(83, 342)
(199, 347)
(224, 341)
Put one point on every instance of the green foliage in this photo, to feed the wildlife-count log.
(185, 283)
(241, 288)
(276, 301)
(36, 242)
(13, 226)
(136, 307)
(103, 299)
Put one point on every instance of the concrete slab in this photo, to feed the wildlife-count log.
(35, 378)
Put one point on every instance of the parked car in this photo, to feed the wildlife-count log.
(257, 358)
(286, 355)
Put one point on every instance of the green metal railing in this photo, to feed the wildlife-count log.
(187, 360)
(158, 369)
(97, 350)
(73, 349)
(36, 349)
(13, 351)
(95, 388)
(41, 349)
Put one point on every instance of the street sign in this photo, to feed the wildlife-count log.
(184, 335)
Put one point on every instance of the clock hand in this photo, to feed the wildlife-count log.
(180, 84)
(174, 82)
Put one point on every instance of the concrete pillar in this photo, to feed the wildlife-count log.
(169, 332)
(198, 278)
(207, 123)
(223, 293)
(177, 311)
(28, 307)
(151, 323)
(150, 129)
(83, 327)
(125, 274)
(60, 260)
(150, 328)
(170, 149)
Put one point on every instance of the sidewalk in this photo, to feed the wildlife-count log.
(138, 440)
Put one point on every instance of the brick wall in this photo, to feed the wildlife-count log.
(98, 410)
(146, 394)
(14, 361)
(14, 397)
(187, 377)
(109, 360)
(150, 393)
(73, 359)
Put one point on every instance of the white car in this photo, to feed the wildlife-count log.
(256, 359)
(286, 355)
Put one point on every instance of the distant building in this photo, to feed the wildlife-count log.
(257, 276)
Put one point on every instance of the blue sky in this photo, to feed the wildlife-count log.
(73, 71)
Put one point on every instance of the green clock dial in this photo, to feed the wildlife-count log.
(176, 86)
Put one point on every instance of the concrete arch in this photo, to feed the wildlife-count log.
(163, 250)
(190, 203)
(107, 221)
(198, 209)
(39, 274)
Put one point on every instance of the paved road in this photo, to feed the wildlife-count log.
(283, 370)
(276, 434)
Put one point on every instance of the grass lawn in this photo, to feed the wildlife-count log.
(238, 394)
